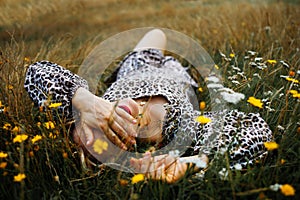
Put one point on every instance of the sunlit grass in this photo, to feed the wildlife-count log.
(254, 45)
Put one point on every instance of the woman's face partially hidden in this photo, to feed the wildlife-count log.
(149, 114)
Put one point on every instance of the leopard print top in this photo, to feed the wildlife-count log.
(148, 73)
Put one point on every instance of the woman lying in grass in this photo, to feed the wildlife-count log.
(149, 102)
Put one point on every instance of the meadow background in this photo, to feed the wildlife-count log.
(65, 31)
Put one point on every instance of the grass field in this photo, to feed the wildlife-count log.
(66, 31)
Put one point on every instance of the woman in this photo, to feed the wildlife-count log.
(149, 101)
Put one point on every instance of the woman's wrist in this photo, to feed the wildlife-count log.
(82, 99)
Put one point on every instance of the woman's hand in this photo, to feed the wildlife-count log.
(162, 167)
(115, 119)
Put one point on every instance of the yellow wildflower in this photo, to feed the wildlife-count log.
(20, 138)
(272, 62)
(6, 126)
(282, 161)
(38, 124)
(99, 146)
(16, 129)
(65, 155)
(202, 105)
(292, 73)
(137, 178)
(52, 135)
(216, 66)
(271, 146)
(255, 102)
(26, 59)
(54, 105)
(231, 55)
(200, 89)
(10, 87)
(49, 125)
(292, 80)
(3, 165)
(31, 153)
(56, 178)
(293, 92)
(19, 177)
(202, 119)
(123, 182)
(3, 155)
(287, 190)
(36, 138)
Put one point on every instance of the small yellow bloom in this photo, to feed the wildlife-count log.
(282, 161)
(3, 165)
(292, 80)
(137, 178)
(54, 105)
(7, 126)
(26, 59)
(287, 190)
(296, 95)
(56, 178)
(200, 89)
(272, 62)
(10, 87)
(36, 138)
(31, 153)
(292, 73)
(3, 155)
(20, 138)
(65, 155)
(271, 146)
(99, 146)
(38, 124)
(49, 125)
(16, 129)
(255, 102)
(52, 135)
(123, 182)
(19, 177)
(232, 55)
(202, 105)
(216, 66)
(293, 92)
(202, 119)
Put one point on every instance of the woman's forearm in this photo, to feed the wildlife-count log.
(48, 82)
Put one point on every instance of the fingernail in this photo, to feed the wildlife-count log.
(134, 134)
(134, 121)
(124, 147)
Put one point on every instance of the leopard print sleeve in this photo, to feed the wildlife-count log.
(47, 83)
(241, 134)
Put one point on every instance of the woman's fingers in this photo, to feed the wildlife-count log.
(88, 133)
(125, 112)
(130, 106)
(114, 139)
(136, 164)
(122, 134)
(127, 127)
(162, 167)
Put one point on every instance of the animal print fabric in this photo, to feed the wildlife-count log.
(148, 73)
